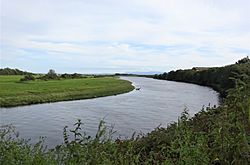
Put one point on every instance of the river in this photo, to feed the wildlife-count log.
(158, 102)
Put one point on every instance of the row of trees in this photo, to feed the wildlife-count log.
(51, 75)
(8, 71)
(219, 78)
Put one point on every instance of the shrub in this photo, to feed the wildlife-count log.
(28, 77)
(71, 76)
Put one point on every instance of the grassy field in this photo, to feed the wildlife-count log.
(15, 93)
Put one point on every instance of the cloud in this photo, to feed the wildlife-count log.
(91, 35)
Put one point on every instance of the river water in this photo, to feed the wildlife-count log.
(158, 102)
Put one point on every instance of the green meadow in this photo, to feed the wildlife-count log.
(14, 92)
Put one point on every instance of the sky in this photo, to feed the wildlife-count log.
(109, 36)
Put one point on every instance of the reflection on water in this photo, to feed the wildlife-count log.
(157, 102)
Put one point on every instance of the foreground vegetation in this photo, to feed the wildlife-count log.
(15, 92)
(213, 136)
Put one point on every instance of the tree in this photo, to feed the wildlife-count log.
(51, 74)
(244, 60)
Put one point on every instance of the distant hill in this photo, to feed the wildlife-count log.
(145, 73)
(9, 71)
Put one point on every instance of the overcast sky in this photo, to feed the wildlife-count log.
(107, 36)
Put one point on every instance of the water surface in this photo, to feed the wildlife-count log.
(159, 102)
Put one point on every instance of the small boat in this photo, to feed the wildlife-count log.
(138, 88)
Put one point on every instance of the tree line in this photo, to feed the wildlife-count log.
(51, 75)
(219, 78)
(9, 71)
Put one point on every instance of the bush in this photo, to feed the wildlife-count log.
(71, 76)
(28, 77)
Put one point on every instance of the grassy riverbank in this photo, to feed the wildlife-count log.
(15, 92)
(213, 136)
